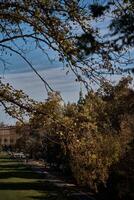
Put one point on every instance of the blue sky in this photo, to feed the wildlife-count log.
(34, 87)
(19, 74)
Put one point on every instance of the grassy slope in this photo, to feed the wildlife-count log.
(17, 182)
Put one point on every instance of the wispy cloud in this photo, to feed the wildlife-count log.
(34, 87)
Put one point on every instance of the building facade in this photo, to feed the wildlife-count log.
(8, 136)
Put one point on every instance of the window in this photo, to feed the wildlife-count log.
(11, 141)
(5, 140)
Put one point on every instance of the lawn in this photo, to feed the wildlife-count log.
(19, 182)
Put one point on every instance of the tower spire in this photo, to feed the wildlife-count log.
(81, 98)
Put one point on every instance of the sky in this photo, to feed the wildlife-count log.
(34, 87)
(19, 75)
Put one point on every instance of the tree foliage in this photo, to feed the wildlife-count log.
(87, 139)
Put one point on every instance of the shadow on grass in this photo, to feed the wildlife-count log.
(17, 171)
(40, 183)
(5, 160)
(53, 196)
(33, 181)
(15, 167)
(12, 165)
(20, 174)
(47, 190)
(36, 185)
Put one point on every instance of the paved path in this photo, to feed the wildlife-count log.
(24, 182)
(70, 189)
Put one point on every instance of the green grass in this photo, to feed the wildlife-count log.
(18, 182)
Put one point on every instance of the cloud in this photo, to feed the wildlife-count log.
(34, 87)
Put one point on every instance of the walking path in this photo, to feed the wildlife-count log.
(70, 189)
(20, 182)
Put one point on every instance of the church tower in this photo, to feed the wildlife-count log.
(81, 98)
